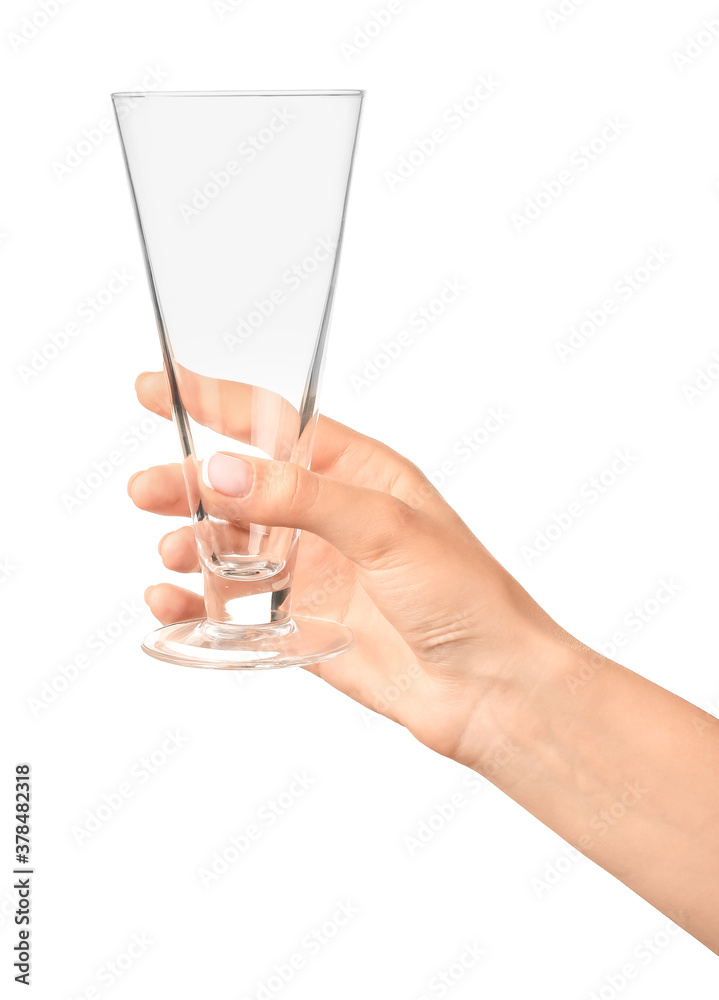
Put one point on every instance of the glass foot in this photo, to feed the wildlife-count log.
(200, 643)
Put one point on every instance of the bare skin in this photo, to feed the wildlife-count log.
(450, 646)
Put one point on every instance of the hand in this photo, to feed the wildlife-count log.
(447, 640)
(451, 646)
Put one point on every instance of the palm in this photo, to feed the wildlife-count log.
(326, 586)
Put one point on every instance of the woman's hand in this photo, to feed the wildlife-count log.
(448, 643)
(452, 647)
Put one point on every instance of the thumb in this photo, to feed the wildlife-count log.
(367, 526)
(401, 552)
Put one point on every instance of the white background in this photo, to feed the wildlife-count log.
(67, 573)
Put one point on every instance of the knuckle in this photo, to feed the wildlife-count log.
(411, 472)
(295, 489)
(416, 489)
(410, 484)
(400, 516)
(386, 545)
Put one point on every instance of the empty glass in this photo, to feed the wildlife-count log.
(240, 201)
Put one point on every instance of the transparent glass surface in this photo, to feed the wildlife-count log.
(240, 201)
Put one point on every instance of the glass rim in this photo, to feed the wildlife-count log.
(238, 93)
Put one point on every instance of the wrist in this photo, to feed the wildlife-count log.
(520, 707)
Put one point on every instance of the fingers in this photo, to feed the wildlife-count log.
(206, 398)
(178, 550)
(153, 392)
(338, 450)
(399, 552)
(160, 489)
(235, 409)
(367, 526)
(169, 603)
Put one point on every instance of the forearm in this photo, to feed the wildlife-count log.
(623, 770)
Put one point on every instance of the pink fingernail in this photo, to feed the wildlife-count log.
(228, 475)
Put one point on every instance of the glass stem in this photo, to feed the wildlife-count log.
(233, 605)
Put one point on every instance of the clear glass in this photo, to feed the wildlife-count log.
(240, 200)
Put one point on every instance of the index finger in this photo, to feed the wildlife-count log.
(339, 451)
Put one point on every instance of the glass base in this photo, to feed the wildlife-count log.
(200, 643)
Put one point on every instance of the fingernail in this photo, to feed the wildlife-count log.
(227, 474)
(162, 542)
(132, 479)
(147, 594)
